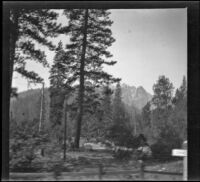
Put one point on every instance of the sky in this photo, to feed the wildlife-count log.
(149, 43)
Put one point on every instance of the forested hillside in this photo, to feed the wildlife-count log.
(30, 103)
(138, 104)
(27, 105)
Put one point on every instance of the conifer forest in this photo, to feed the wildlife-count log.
(82, 114)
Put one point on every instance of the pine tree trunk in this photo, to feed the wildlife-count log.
(5, 96)
(13, 40)
(135, 127)
(65, 130)
(41, 108)
(81, 88)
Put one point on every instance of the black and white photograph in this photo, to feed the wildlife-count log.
(98, 94)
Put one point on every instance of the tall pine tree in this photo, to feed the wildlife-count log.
(178, 118)
(107, 115)
(162, 101)
(90, 38)
(30, 28)
(58, 90)
(120, 132)
(117, 104)
(104, 114)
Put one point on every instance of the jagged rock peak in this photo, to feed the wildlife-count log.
(140, 90)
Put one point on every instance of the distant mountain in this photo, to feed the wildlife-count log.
(135, 96)
(128, 93)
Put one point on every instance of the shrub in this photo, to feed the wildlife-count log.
(122, 154)
(122, 135)
(168, 140)
(161, 151)
(24, 141)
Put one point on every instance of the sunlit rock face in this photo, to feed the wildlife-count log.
(141, 97)
(128, 93)
(136, 96)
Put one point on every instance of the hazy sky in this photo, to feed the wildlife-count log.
(148, 43)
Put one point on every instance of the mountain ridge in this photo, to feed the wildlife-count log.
(131, 95)
(136, 96)
(27, 105)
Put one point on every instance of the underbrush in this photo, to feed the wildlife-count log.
(162, 149)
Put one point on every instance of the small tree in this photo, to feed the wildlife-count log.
(181, 93)
(178, 118)
(162, 100)
(163, 91)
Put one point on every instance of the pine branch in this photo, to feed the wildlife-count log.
(29, 74)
